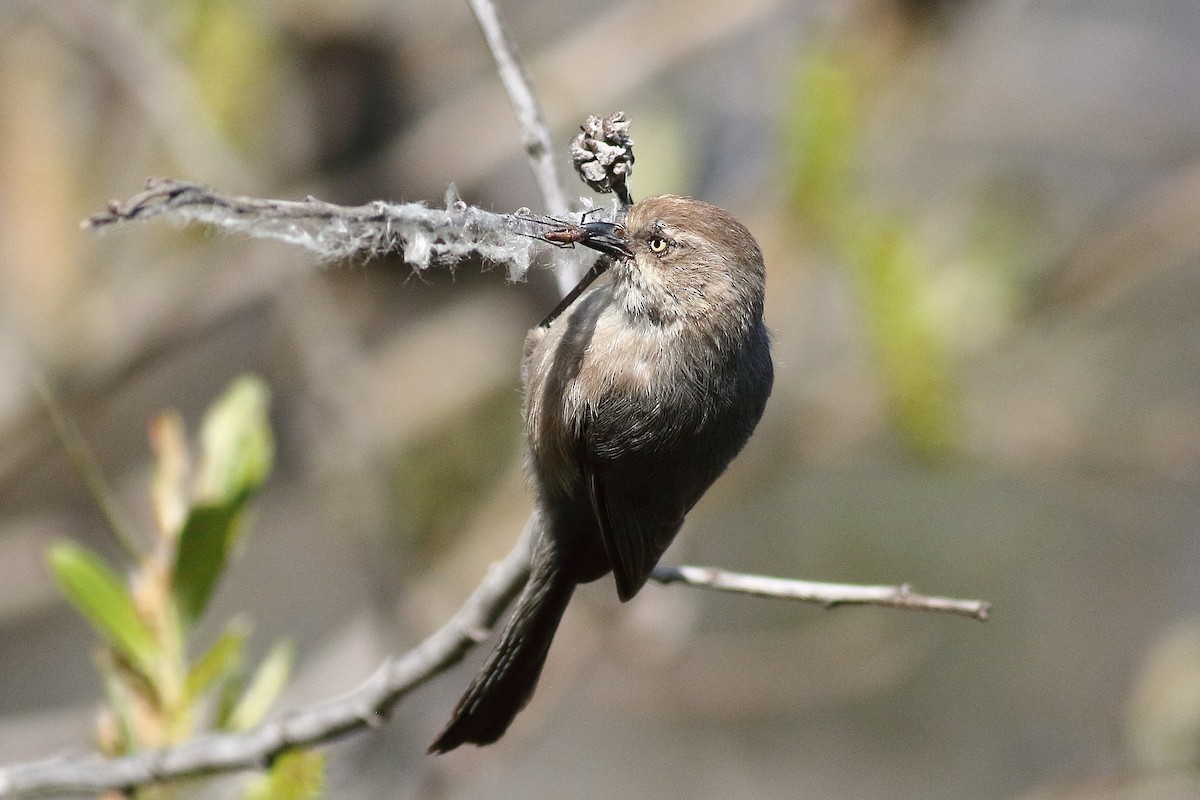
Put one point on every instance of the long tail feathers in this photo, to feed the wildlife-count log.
(506, 682)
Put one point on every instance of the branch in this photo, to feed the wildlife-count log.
(602, 153)
(1155, 230)
(829, 595)
(368, 705)
(422, 235)
(535, 133)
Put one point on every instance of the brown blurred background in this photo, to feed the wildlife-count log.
(982, 227)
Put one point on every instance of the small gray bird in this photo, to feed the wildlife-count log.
(636, 399)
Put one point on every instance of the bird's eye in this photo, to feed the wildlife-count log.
(657, 244)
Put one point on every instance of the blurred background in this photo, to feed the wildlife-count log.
(982, 228)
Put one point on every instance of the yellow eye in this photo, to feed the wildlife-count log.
(658, 244)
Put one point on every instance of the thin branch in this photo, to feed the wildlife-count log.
(829, 595)
(535, 133)
(597, 60)
(422, 235)
(84, 462)
(368, 705)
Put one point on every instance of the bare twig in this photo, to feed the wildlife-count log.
(628, 37)
(535, 134)
(826, 594)
(422, 235)
(368, 705)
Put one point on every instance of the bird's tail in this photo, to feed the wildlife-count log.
(506, 682)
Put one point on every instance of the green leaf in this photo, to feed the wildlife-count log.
(236, 444)
(294, 775)
(100, 595)
(203, 549)
(218, 662)
(228, 695)
(237, 451)
(264, 687)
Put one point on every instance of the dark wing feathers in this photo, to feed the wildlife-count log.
(635, 534)
(636, 525)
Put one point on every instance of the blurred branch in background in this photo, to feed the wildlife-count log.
(162, 87)
(1157, 230)
(83, 461)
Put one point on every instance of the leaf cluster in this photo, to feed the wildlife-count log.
(158, 694)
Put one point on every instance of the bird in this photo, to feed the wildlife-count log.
(636, 399)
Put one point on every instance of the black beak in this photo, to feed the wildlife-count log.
(606, 237)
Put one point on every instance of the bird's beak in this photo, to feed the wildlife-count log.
(606, 237)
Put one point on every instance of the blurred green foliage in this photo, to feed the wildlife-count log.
(295, 775)
(879, 249)
(234, 61)
(158, 696)
(101, 596)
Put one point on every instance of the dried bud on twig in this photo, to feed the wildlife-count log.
(603, 154)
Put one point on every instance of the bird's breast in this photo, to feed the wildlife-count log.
(645, 384)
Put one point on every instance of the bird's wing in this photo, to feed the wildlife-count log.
(629, 541)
